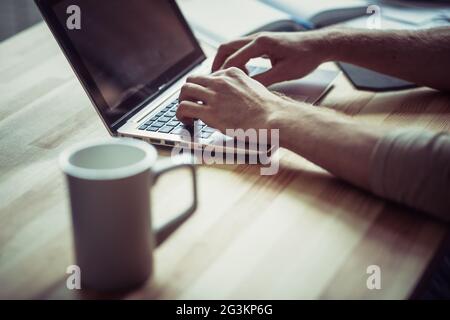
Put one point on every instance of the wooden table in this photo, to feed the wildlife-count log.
(299, 234)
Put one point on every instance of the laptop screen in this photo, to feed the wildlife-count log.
(124, 51)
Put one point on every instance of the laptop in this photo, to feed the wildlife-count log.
(132, 58)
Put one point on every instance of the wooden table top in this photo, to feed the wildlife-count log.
(299, 234)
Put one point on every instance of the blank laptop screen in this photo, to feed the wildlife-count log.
(126, 50)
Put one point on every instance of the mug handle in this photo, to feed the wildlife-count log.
(164, 166)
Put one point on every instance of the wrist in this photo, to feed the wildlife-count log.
(286, 119)
(323, 44)
(330, 43)
(341, 44)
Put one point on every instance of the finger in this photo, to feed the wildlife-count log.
(194, 92)
(226, 50)
(188, 111)
(204, 81)
(223, 78)
(270, 77)
(240, 58)
(217, 74)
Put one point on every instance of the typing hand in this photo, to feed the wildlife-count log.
(229, 100)
(293, 55)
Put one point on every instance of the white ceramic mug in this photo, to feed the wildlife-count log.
(109, 183)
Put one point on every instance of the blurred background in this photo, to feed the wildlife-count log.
(17, 15)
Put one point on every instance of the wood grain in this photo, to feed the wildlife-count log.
(299, 234)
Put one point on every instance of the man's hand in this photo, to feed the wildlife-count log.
(229, 99)
(293, 55)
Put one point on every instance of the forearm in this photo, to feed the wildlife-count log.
(333, 141)
(420, 56)
(409, 166)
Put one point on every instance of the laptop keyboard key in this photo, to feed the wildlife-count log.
(173, 123)
(180, 131)
(152, 129)
(165, 119)
(143, 127)
(158, 124)
(166, 129)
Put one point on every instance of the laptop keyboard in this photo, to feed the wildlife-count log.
(166, 122)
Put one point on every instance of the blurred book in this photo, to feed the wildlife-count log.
(218, 21)
(320, 13)
(416, 14)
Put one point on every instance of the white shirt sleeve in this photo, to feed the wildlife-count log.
(412, 167)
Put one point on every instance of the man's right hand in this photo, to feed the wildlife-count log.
(293, 54)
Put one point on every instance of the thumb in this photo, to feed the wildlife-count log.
(240, 58)
(271, 76)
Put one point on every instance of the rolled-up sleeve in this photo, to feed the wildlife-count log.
(412, 167)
